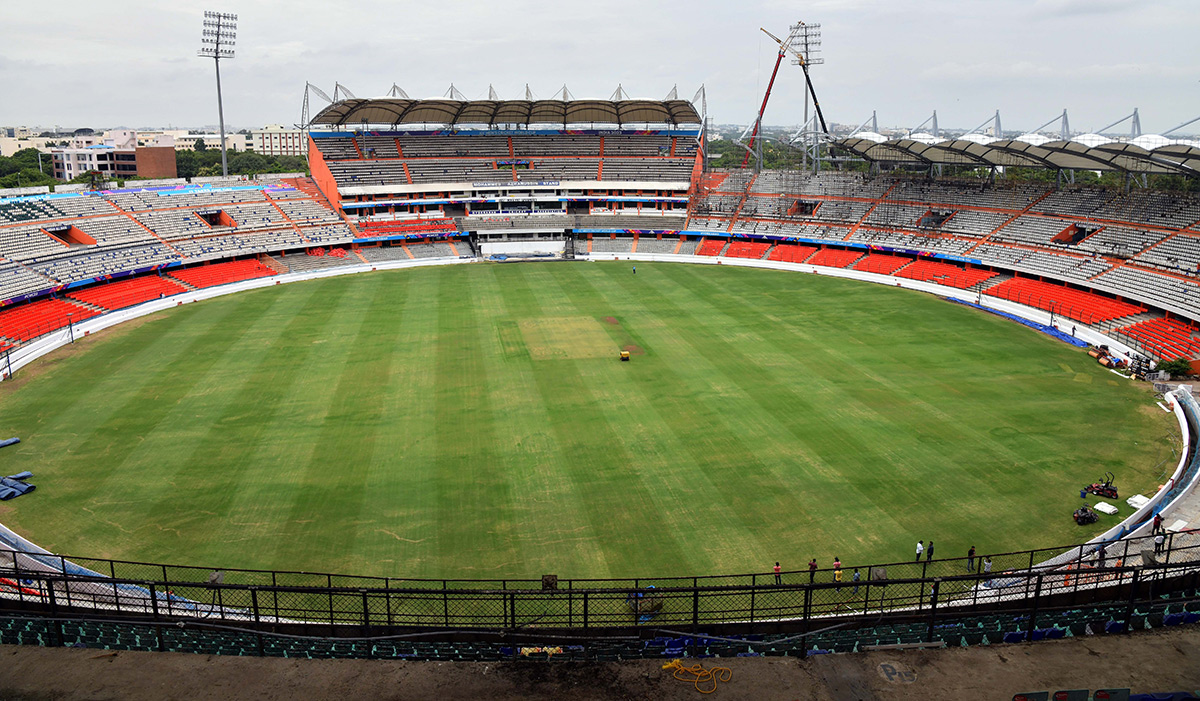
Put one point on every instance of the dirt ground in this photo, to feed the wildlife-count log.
(1154, 661)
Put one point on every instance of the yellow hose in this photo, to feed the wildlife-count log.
(697, 675)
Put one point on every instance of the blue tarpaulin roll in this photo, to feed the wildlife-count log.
(10, 441)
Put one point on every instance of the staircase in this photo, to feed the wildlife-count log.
(569, 248)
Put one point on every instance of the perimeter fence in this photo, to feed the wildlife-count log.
(52, 583)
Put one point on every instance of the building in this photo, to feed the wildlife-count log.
(116, 156)
(276, 140)
(233, 142)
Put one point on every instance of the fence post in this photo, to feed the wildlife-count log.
(257, 629)
(366, 609)
(807, 611)
(1037, 595)
(58, 631)
(1133, 587)
(158, 636)
(387, 598)
(445, 604)
(753, 590)
(585, 610)
(933, 602)
(275, 594)
(695, 608)
(1170, 543)
(329, 585)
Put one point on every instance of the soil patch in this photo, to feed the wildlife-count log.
(633, 350)
(612, 320)
(1152, 661)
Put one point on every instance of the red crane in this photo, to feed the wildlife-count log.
(784, 47)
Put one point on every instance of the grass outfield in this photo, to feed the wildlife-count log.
(474, 421)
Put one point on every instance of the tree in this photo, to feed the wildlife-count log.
(200, 145)
(1177, 367)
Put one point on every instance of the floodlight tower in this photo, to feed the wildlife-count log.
(805, 40)
(220, 31)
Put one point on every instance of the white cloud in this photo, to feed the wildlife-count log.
(1030, 58)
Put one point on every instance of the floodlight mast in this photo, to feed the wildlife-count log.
(220, 32)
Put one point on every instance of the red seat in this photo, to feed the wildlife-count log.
(27, 321)
(222, 273)
(834, 257)
(126, 293)
(788, 253)
(1066, 301)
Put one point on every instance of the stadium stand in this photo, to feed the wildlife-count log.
(787, 253)
(28, 321)
(126, 293)
(222, 273)
(834, 257)
(711, 247)
(1166, 338)
(881, 263)
(945, 274)
(1066, 301)
(747, 249)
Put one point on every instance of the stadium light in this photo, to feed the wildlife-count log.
(805, 39)
(219, 35)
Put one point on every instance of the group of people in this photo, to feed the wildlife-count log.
(985, 563)
(838, 575)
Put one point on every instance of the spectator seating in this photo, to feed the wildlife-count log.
(126, 293)
(881, 263)
(404, 227)
(834, 257)
(222, 273)
(27, 321)
(747, 249)
(1166, 338)
(710, 247)
(788, 253)
(945, 274)
(1066, 301)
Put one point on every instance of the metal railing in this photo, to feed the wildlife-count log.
(336, 600)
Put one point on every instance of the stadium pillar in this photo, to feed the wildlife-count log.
(933, 601)
(221, 120)
(1037, 595)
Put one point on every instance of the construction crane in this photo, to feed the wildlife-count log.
(784, 48)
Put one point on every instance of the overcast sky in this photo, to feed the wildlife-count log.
(134, 63)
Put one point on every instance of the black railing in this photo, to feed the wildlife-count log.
(304, 600)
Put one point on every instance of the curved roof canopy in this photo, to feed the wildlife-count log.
(395, 110)
(1145, 154)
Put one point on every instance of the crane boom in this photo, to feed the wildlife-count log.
(784, 47)
(761, 110)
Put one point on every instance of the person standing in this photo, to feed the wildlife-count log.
(778, 577)
(928, 552)
(635, 270)
(987, 568)
(971, 559)
(1158, 520)
(855, 578)
(837, 563)
(837, 577)
(1158, 543)
(920, 549)
(812, 569)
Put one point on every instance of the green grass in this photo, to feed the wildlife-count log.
(474, 421)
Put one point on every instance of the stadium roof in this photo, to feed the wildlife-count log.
(1148, 153)
(395, 110)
